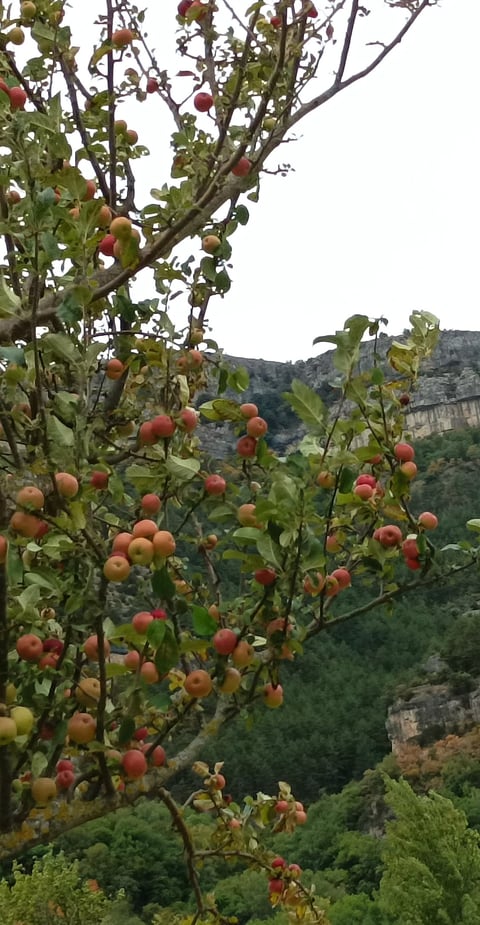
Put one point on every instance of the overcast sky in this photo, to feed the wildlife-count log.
(381, 215)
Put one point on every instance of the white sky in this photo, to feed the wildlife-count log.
(380, 216)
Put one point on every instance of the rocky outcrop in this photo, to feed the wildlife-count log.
(447, 396)
(430, 713)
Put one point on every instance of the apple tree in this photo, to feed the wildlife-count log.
(119, 529)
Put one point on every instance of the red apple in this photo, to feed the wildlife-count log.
(215, 485)
(242, 167)
(99, 479)
(151, 504)
(141, 621)
(203, 102)
(134, 763)
(428, 521)
(404, 452)
(247, 447)
(163, 426)
(152, 84)
(265, 576)
(225, 641)
(29, 647)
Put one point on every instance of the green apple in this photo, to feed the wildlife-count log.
(23, 719)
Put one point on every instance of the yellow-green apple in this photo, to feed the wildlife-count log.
(8, 730)
(87, 692)
(23, 719)
(44, 790)
(273, 695)
(246, 515)
(325, 479)
(141, 551)
(117, 567)
(231, 681)
(409, 469)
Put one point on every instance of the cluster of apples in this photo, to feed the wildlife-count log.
(256, 427)
(283, 882)
(330, 585)
(121, 232)
(142, 664)
(146, 544)
(27, 520)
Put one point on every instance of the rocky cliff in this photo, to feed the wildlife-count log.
(447, 396)
(431, 712)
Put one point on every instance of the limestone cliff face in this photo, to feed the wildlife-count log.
(448, 392)
(431, 713)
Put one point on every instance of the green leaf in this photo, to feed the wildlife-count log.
(203, 623)
(126, 730)
(126, 633)
(10, 303)
(221, 409)
(13, 355)
(182, 469)
(307, 404)
(14, 566)
(61, 346)
(474, 524)
(162, 585)
(167, 654)
(60, 733)
(39, 763)
(115, 670)
(142, 477)
(156, 633)
(58, 433)
(242, 215)
(347, 478)
(208, 267)
(268, 550)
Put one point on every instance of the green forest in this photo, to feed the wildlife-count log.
(387, 842)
